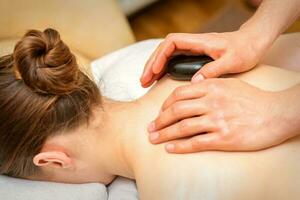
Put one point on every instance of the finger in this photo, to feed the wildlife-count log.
(149, 82)
(185, 128)
(184, 93)
(173, 43)
(178, 111)
(147, 74)
(204, 142)
(155, 78)
(212, 70)
(163, 55)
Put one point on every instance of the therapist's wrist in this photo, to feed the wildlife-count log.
(257, 39)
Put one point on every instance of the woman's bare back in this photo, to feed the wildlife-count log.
(268, 174)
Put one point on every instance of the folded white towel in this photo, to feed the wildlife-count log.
(120, 71)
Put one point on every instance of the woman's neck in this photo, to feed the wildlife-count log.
(117, 125)
(120, 124)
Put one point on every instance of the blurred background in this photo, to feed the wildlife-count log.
(157, 18)
(93, 28)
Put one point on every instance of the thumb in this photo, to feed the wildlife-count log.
(211, 70)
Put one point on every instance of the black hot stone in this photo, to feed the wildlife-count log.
(184, 67)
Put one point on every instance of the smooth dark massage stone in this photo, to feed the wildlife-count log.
(183, 67)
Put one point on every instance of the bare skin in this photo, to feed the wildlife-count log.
(116, 143)
(232, 52)
(216, 175)
(217, 107)
(254, 37)
(268, 174)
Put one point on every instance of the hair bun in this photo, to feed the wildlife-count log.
(45, 63)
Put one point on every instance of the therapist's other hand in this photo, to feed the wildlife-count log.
(233, 52)
(222, 114)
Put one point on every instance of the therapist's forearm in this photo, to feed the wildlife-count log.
(271, 19)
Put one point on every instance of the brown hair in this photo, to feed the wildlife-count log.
(42, 92)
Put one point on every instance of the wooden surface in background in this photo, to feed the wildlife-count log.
(191, 16)
(169, 16)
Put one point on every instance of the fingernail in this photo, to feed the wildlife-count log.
(154, 136)
(145, 78)
(170, 147)
(142, 79)
(197, 78)
(151, 127)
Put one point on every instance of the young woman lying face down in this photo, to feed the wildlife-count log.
(55, 126)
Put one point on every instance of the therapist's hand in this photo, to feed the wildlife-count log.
(233, 52)
(223, 114)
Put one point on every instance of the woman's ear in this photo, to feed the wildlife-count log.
(53, 159)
